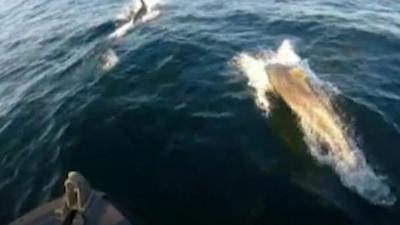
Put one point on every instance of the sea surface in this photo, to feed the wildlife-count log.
(162, 119)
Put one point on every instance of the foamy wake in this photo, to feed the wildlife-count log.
(327, 146)
(254, 68)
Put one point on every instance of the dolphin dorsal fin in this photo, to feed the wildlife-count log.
(286, 55)
(144, 4)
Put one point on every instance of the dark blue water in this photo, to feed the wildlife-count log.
(172, 132)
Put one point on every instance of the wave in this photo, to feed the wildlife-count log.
(329, 139)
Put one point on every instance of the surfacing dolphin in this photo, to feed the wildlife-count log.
(311, 105)
(283, 74)
(141, 13)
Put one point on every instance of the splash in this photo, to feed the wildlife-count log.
(328, 139)
(254, 68)
(108, 60)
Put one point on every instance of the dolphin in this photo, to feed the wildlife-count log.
(283, 74)
(290, 82)
(141, 13)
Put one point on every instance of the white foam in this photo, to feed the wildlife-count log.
(150, 16)
(128, 11)
(108, 60)
(343, 154)
(254, 68)
(153, 4)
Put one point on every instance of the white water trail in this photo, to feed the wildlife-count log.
(332, 144)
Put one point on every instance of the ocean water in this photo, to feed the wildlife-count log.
(161, 118)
